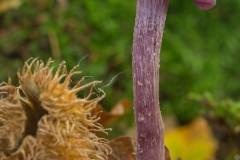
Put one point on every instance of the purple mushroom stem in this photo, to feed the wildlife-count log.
(148, 31)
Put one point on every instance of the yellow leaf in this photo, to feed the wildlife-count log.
(191, 142)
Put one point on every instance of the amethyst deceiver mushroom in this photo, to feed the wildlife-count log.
(205, 4)
(148, 31)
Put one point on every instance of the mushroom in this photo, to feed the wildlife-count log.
(205, 4)
(148, 31)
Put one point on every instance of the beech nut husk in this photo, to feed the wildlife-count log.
(44, 119)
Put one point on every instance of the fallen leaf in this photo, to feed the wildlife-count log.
(123, 148)
(193, 141)
(108, 118)
(167, 154)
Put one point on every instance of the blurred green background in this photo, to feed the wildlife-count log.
(200, 50)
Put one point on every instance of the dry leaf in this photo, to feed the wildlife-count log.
(107, 118)
(123, 148)
(167, 154)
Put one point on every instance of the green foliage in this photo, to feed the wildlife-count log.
(98, 31)
(199, 54)
(200, 50)
(223, 108)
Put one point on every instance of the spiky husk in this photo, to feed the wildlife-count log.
(11, 119)
(46, 119)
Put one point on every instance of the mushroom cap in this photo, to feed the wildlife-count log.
(205, 4)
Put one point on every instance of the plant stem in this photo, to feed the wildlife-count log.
(149, 25)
